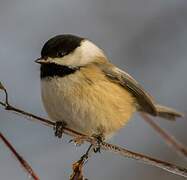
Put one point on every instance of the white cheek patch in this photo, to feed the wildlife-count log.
(84, 54)
(72, 59)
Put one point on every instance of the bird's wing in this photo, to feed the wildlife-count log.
(144, 100)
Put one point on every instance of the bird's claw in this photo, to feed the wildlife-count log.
(59, 128)
(99, 138)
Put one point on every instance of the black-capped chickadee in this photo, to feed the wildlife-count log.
(85, 92)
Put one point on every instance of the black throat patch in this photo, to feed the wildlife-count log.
(51, 70)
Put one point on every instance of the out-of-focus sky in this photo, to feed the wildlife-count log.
(147, 38)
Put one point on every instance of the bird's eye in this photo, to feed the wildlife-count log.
(61, 54)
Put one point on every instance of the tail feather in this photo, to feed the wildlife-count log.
(168, 113)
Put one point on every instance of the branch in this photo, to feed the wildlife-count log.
(169, 139)
(23, 163)
(105, 146)
(78, 166)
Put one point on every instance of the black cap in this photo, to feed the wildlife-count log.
(60, 45)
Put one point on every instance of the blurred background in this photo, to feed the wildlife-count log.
(147, 38)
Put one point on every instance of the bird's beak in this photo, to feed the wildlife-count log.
(41, 61)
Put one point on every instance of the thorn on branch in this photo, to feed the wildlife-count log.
(1, 86)
(6, 96)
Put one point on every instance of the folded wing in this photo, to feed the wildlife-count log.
(144, 100)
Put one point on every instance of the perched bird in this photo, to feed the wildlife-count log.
(82, 90)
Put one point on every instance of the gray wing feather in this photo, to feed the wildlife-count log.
(144, 100)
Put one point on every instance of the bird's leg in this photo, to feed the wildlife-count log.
(59, 128)
(99, 138)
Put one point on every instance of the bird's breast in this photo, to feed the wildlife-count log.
(87, 102)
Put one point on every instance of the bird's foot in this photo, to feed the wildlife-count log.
(99, 138)
(59, 128)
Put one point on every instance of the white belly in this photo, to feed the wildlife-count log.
(90, 108)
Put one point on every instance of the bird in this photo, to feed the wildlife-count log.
(82, 90)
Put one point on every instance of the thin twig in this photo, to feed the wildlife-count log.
(106, 146)
(78, 166)
(23, 163)
(169, 139)
(146, 159)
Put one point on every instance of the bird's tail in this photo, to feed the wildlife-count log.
(168, 113)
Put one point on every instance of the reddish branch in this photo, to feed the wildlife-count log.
(169, 139)
(23, 163)
(105, 146)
